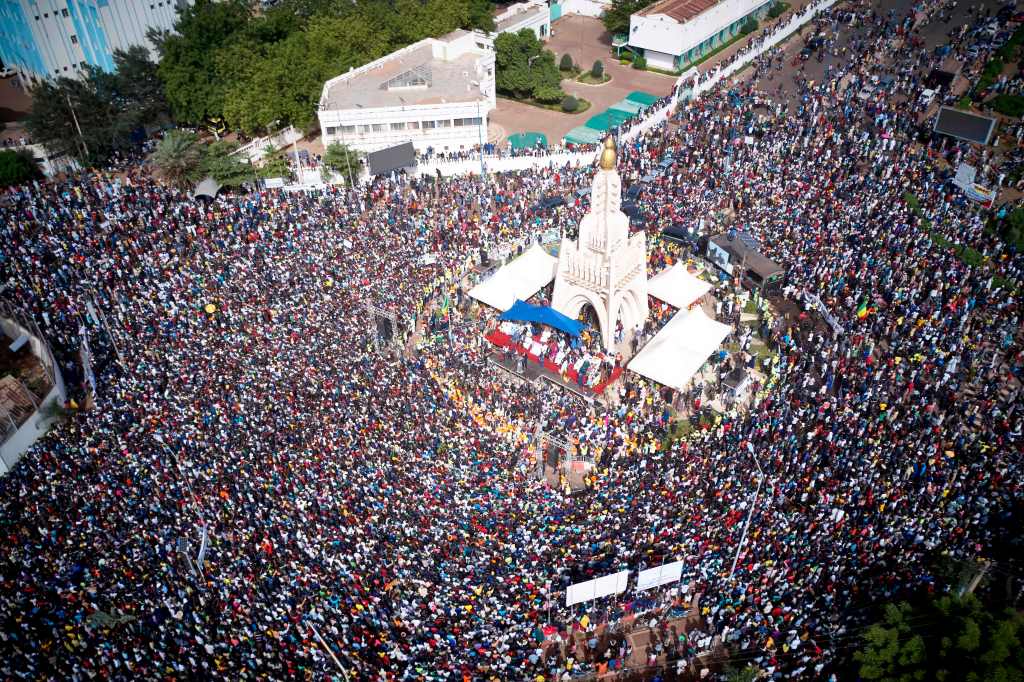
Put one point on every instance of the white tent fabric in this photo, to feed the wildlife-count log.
(677, 287)
(677, 352)
(521, 279)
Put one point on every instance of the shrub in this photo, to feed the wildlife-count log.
(626, 57)
(566, 62)
(1009, 105)
(547, 95)
(749, 26)
(777, 10)
(639, 62)
(570, 104)
(597, 70)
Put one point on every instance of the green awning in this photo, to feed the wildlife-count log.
(628, 105)
(645, 98)
(601, 122)
(618, 117)
(529, 140)
(584, 135)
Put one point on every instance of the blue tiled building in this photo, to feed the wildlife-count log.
(51, 38)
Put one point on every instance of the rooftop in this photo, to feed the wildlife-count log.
(680, 10)
(517, 16)
(410, 78)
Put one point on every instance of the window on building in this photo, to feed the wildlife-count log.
(379, 127)
(64, 12)
(444, 124)
(364, 129)
(398, 126)
(74, 39)
(346, 129)
(331, 131)
(413, 125)
(429, 125)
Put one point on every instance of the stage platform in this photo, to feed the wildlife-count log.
(534, 373)
(548, 370)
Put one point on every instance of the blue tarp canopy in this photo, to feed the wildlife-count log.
(524, 312)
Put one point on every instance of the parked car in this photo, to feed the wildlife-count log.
(7, 72)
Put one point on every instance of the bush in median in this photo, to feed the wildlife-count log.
(570, 104)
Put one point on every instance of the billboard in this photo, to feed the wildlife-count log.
(590, 590)
(393, 158)
(659, 575)
(964, 125)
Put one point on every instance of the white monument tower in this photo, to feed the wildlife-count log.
(604, 267)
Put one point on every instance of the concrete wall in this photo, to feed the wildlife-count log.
(587, 8)
(13, 329)
(34, 428)
(372, 129)
(534, 15)
(495, 164)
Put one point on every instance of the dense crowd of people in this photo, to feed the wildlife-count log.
(380, 512)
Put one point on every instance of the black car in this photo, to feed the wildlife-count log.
(548, 203)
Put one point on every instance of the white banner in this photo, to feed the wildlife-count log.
(604, 586)
(580, 592)
(611, 584)
(659, 575)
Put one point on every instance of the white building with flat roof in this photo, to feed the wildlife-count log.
(435, 93)
(672, 34)
(532, 14)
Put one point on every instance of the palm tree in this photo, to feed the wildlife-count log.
(177, 158)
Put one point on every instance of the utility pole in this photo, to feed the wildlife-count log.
(330, 653)
(750, 513)
(77, 127)
(976, 580)
(295, 151)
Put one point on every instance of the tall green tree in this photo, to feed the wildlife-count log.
(109, 108)
(343, 160)
(616, 16)
(524, 68)
(17, 167)
(220, 163)
(188, 66)
(138, 86)
(948, 639)
(177, 159)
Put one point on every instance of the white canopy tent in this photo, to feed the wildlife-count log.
(677, 352)
(521, 279)
(677, 287)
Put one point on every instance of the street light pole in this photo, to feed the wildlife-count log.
(480, 129)
(750, 513)
(77, 127)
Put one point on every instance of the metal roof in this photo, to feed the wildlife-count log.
(680, 10)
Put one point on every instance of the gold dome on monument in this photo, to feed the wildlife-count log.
(608, 155)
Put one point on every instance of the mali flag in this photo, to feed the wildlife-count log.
(862, 310)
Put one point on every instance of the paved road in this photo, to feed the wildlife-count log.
(933, 33)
